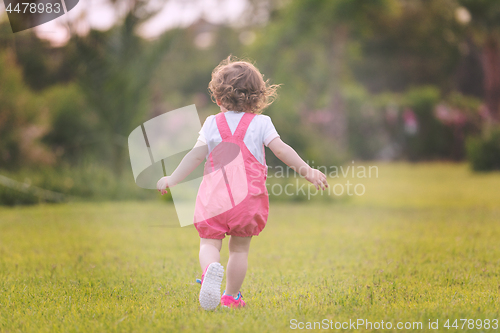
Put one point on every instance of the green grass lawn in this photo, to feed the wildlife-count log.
(421, 244)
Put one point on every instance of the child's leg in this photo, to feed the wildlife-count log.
(237, 263)
(209, 251)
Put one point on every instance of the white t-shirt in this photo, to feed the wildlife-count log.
(260, 131)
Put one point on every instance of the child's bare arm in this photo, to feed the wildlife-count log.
(290, 157)
(187, 165)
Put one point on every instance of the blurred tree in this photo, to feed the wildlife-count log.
(115, 71)
(72, 123)
(420, 45)
(485, 30)
(42, 65)
(183, 76)
(23, 119)
(306, 46)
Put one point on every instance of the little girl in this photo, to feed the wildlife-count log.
(233, 199)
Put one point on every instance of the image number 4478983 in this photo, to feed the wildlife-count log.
(26, 14)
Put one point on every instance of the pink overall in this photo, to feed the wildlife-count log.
(233, 197)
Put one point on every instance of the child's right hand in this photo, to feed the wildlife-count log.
(162, 185)
(317, 178)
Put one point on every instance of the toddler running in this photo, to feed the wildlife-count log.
(232, 199)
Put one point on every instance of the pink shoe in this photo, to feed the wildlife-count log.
(229, 301)
(210, 286)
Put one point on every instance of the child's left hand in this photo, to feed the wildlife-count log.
(162, 185)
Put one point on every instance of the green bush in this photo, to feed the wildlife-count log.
(73, 125)
(365, 123)
(433, 139)
(13, 197)
(483, 152)
(21, 118)
(64, 183)
(376, 124)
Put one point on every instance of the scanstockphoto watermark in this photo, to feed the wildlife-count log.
(357, 324)
(344, 180)
(450, 324)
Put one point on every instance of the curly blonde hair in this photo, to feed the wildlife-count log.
(239, 86)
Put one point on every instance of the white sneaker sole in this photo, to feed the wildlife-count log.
(210, 289)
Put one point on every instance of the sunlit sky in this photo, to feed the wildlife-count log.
(100, 14)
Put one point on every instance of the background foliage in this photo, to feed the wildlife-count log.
(387, 79)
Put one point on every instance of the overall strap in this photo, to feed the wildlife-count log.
(222, 126)
(243, 125)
